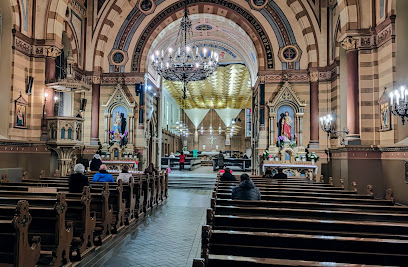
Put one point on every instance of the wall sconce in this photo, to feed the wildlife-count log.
(399, 103)
(326, 124)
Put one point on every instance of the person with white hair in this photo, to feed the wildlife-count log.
(78, 180)
(96, 163)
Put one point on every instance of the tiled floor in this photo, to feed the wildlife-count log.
(171, 236)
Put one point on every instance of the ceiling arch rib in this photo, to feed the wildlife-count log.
(214, 33)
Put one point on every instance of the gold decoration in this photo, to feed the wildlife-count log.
(53, 51)
(228, 87)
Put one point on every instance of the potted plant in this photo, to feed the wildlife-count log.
(270, 157)
(266, 155)
(276, 158)
(297, 158)
(312, 157)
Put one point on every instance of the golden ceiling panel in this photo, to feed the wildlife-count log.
(227, 87)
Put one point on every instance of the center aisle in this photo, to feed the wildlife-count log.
(171, 236)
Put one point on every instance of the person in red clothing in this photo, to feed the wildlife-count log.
(182, 160)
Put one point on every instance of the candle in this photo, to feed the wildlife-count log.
(162, 53)
(179, 51)
(397, 97)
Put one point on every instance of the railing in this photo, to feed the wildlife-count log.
(65, 131)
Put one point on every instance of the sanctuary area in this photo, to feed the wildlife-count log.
(203, 133)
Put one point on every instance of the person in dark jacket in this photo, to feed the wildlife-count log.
(246, 190)
(96, 163)
(280, 174)
(220, 160)
(268, 173)
(78, 180)
(103, 175)
(228, 176)
(150, 169)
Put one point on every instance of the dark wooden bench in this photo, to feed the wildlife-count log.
(48, 223)
(15, 247)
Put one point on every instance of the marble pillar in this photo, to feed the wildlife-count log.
(96, 95)
(353, 109)
(314, 110)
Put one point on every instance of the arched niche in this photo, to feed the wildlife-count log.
(119, 103)
(286, 100)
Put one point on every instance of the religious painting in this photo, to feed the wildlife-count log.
(20, 115)
(385, 113)
(286, 127)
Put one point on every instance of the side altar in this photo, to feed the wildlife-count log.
(119, 121)
(286, 112)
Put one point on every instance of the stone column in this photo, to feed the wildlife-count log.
(159, 131)
(314, 110)
(353, 109)
(96, 97)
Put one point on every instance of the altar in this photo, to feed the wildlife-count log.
(293, 170)
(115, 166)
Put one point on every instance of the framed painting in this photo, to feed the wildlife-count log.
(385, 113)
(20, 113)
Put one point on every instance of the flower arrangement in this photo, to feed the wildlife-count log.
(265, 155)
(312, 156)
(292, 144)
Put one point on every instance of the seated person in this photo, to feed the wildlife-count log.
(228, 176)
(280, 174)
(124, 175)
(268, 173)
(103, 175)
(150, 170)
(95, 163)
(245, 156)
(246, 190)
(78, 180)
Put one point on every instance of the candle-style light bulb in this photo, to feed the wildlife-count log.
(157, 53)
(170, 50)
(392, 98)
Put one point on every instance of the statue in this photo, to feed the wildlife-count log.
(286, 127)
(117, 123)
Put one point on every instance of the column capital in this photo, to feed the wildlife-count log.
(349, 43)
(96, 79)
(52, 51)
(314, 76)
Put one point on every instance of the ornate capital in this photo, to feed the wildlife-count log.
(314, 76)
(96, 79)
(349, 43)
(53, 51)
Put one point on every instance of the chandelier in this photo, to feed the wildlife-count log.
(400, 106)
(184, 64)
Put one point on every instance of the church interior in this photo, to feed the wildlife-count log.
(153, 103)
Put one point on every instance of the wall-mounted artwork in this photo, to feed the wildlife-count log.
(385, 113)
(20, 113)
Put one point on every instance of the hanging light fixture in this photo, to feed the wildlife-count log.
(399, 103)
(184, 64)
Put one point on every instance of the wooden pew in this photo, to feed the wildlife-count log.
(48, 223)
(302, 221)
(15, 248)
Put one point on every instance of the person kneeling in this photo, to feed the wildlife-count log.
(103, 175)
(246, 190)
(228, 176)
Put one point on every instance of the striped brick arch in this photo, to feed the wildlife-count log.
(55, 19)
(254, 29)
(349, 15)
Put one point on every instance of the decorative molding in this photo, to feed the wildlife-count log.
(77, 7)
(105, 80)
(53, 51)
(257, 4)
(314, 76)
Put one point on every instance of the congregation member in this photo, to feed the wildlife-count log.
(220, 160)
(151, 170)
(124, 175)
(280, 174)
(78, 180)
(228, 176)
(182, 158)
(246, 190)
(268, 173)
(103, 175)
(96, 163)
